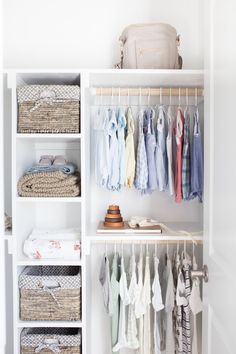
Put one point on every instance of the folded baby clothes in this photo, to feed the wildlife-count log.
(68, 168)
(137, 221)
(53, 244)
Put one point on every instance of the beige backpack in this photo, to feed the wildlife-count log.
(150, 46)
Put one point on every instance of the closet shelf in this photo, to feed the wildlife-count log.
(48, 200)
(48, 262)
(49, 137)
(63, 324)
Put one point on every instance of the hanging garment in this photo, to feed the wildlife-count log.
(161, 153)
(146, 300)
(187, 348)
(132, 332)
(150, 144)
(175, 271)
(197, 160)
(113, 180)
(196, 307)
(139, 306)
(104, 279)
(115, 305)
(121, 124)
(157, 305)
(186, 167)
(169, 150)
(129, 150)
(141, 173)
(101, 147)
(124, 302)
(169, 307)
(178, 163)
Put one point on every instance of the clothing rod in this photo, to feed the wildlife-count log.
(144, 91)
(113, 242)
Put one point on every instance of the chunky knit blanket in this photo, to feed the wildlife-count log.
(49, 184)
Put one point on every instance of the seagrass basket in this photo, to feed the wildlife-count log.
(50, 340)
(48, 109)
(50, 293)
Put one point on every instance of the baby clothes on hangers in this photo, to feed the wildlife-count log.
(141, 173)
(121, 124)
(187, 347)
(104, 279)
(132, 339)
(150, 144)
(196, 307)
(115, 305)
(169, 307)
(197, 160)
(113, 180)
(186, 167)
(129, 150)
(124, 302)
(146, 299)
(157, 305)
(101, 147)
(178, 163)
(161, 154)
(139, 306)
(169, 150)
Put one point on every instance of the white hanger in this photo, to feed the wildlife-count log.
(132, 249)
(140, 94)
(179, 97)
(187, 96)
(115, 248)
(149, 97)
(119, 96)
(101, 97)
(160, 96)
(147, 252)
(112, 96)
(106, 249)
(155, 249)
(170, 97)
(128, 96)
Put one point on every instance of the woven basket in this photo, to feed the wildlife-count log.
(50, 340)
(48, 109)
(50, 293)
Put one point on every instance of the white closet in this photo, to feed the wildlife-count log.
(86, 211)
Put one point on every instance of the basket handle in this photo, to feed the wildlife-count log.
(49, 344)
(49, 287)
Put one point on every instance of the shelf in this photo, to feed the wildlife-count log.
(35, 324)
(38, 138)
(48, 262)
(48, 200)
(190, 227)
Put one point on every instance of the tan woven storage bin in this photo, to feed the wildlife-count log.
(50, 293)
(50, 340)
(48, 109)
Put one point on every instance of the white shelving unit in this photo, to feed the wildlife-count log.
(87, 210)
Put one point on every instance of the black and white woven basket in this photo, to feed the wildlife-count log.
(48, 109)
(50, 293)
(50, 340)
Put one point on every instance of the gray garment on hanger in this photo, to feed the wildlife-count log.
(104, 279)
(115, 303)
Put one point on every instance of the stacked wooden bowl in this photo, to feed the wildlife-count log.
(113, 217)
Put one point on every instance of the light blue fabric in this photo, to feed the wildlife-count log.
(150, 143)
(161, 153)
(141, 173)
(197, 160)
(186, 167)
(68, 168)
(101, 147)
(113, 179)
(121, 124)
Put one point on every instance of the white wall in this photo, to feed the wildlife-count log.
(75, 33)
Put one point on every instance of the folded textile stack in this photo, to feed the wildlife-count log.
(51, 177)
(53, 244)
(8, 222)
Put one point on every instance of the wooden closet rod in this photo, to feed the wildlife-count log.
(146, 241)
(165, 91)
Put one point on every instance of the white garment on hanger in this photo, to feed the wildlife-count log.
(124, 301)
(157, 305)
(169, 149)
(139, 306)
(146, 300)
(133, 342)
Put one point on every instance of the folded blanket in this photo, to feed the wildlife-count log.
(49, 184)
(68, 168)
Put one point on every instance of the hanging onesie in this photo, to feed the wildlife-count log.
(129, 150)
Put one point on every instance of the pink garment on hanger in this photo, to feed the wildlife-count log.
(179, 150)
